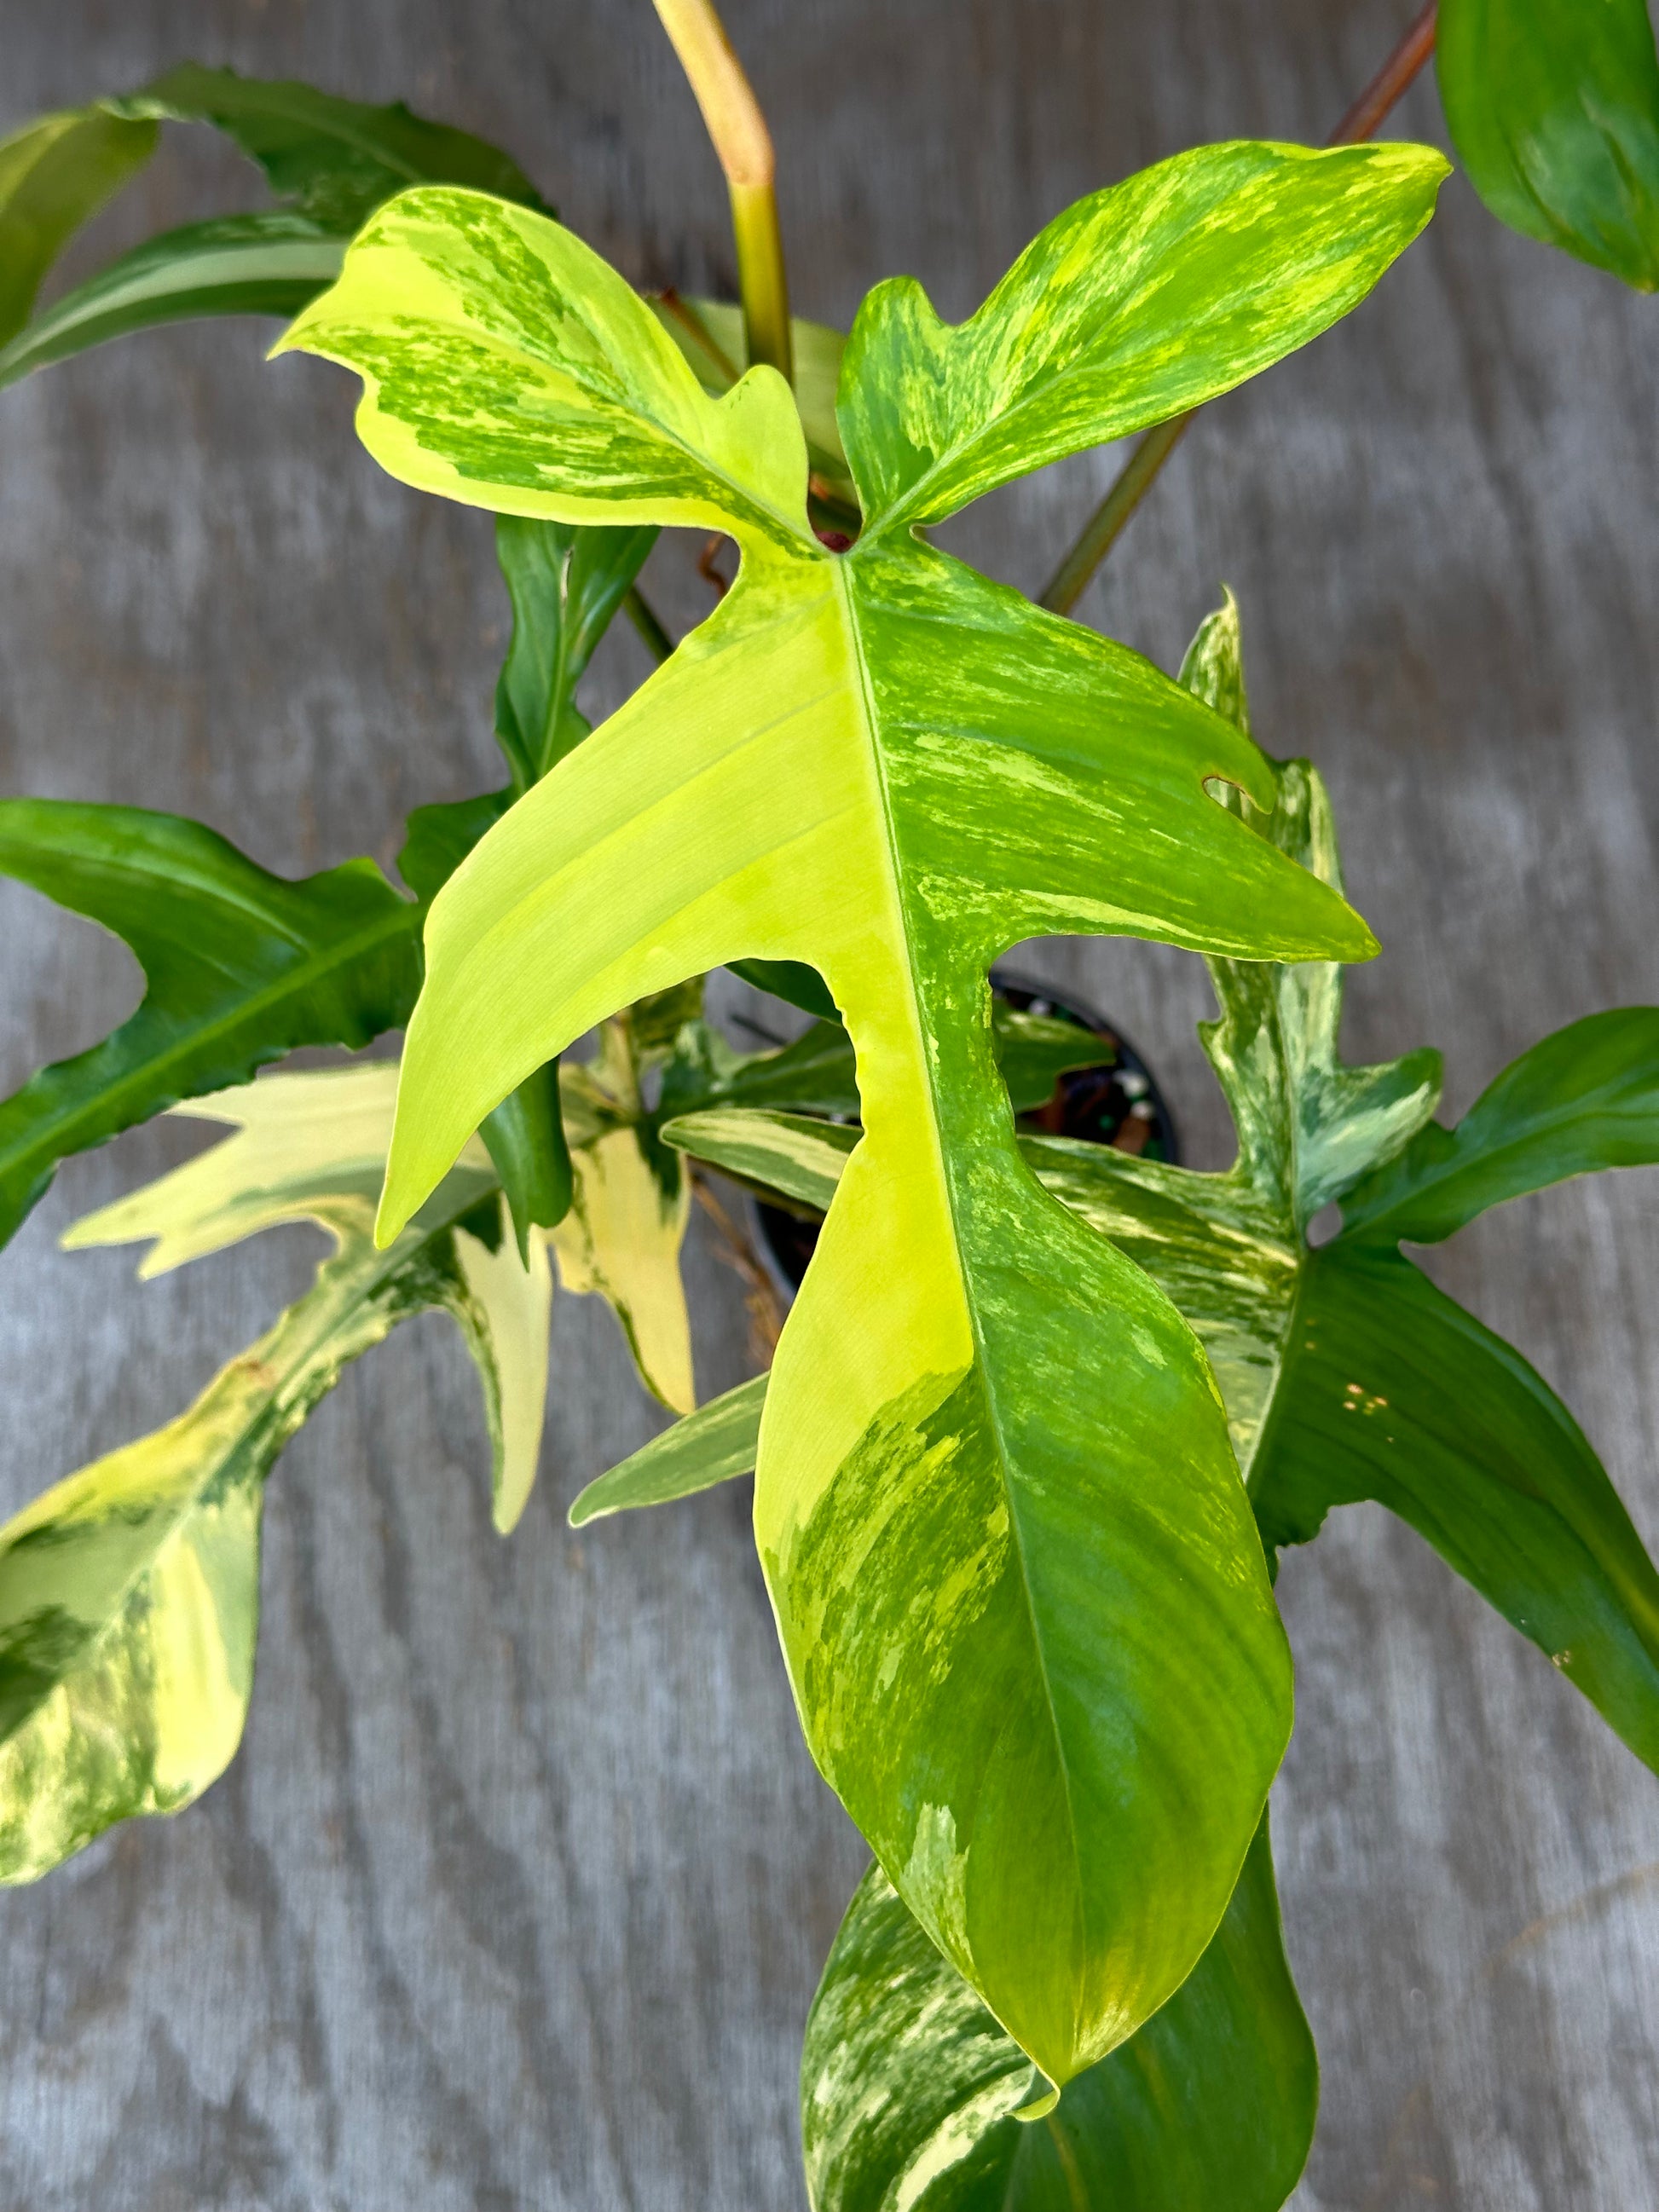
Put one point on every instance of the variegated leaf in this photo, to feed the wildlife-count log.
(622, 1239)
(128, 1593)
(909, 2088)
(312, 1147)
(1347, 1374)
(1020, 1592)
(715, 1444)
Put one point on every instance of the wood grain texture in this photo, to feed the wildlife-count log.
(518, 1892)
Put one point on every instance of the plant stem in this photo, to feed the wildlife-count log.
(1370, 111)
(1106, 525)
(765, 1307)
(656, 642)
(745, 147)
(688, 319)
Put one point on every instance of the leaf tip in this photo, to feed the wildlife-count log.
(1042, 2105)
(393, 1214)
(1366, 944)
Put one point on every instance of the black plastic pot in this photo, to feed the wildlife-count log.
(1118, 1102)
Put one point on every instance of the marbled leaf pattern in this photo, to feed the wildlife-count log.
(1020, 1595)
(129, 1592)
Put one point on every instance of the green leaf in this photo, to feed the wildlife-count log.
(128, 1593)
(240, 968)
(565, 585)
(55, 175)
(1033, 1051)
(1393, 1393)
(525, 1140)
(1553, 105)
(266, 264)
(1585, 1098)
(908, 2086)
(336, 159)
(793, 982)
(817, 1075)
(437, 839)
(712, 1445)
(1019, 1590)
(333, 159)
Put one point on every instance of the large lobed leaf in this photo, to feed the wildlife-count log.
(1020, 1595)
(128, 1593)
(1347, 1374)
(240, 967)
(1555, 107)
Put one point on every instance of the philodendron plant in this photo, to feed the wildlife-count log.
(1044, 1412)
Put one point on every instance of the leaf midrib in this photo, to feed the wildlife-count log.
(871, 724)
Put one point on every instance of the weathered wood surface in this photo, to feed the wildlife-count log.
(518, 1892)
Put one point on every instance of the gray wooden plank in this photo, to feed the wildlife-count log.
(517, 1893)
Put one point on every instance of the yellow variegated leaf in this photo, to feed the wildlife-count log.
(307, 1148)
(505, 1315)
(312, 1147)
(1020, 1597)
(128, 1593)
(622, 1239)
